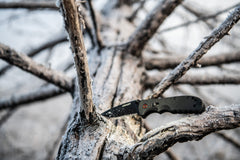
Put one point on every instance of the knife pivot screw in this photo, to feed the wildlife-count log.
(145, 106)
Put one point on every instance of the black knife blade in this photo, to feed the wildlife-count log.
(123, 109)
(179, 104)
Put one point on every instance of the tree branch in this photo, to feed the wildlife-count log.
(200, 79)
(193, 58)
(171, 155)
(146, 30)
(96, 31)
(46, 45)
(29, 5)
(199, 19)
(25, 63)
(173, 61)
(73, 24)
(37, 95)
(134, 14)
(6, 116)
(37, 50)
(186, 129)
(229, 139)
(198, 14)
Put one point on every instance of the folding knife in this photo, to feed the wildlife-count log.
(179, 104)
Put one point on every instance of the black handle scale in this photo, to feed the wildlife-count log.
(179, 104)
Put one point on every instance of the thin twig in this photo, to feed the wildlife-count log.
(25, 63)
(37, 95)
(5, 117)
(199, 19)
(95, 28)
(229, 139)
(73, 24)
(47, 45)
(173, 61)
(134, 14)
(171, 155)
(29, 5)
(200, 79)
(186, 129)
(37, 50)
(193, 58)
(149, 26)
(198, 14)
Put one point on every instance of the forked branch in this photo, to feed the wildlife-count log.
(146, 30)
(194, 57)
(27, 64)
(37, 50)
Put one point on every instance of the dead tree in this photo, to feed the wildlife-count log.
(117, 73)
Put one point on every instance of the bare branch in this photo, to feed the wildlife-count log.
(201, 79)
(134, 14)
(25, 63)
(198, 14)
(73, 24)
(35, 51)
(5, 117)
(37, 95)
(199, 19)
(96, 31)
(173, 61)
(229, 139)
(28, 5)
(171, 155)
(46, 45)
(187, 129)
(193, 58)
(146, 30)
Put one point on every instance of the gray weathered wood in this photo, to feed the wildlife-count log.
(27, 64)
(194, 57)
(186, 129)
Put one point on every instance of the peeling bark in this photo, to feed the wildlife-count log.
(73, 25)
(187, 129)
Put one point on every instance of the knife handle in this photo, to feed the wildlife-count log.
(179, 104)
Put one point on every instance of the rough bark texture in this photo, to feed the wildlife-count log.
(187, 129)
(35, 51)
(202, 49)
(117, 77)
(112, 137)
(27, 64)
(74, 24)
